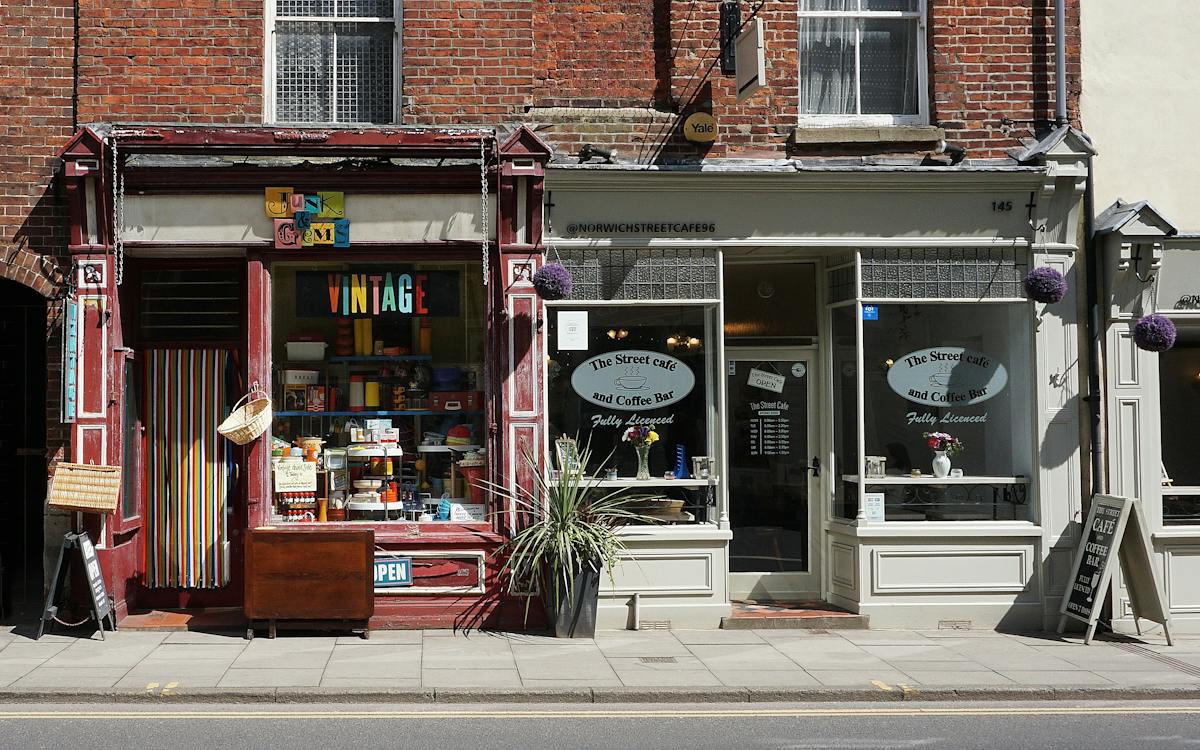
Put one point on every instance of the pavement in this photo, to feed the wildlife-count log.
(724, 666)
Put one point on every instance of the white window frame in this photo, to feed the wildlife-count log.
(270, 19)
(922, 83)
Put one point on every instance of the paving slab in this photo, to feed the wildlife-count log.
(12, 670)
(1107, 659)
(383, 638)
(742, 656)
(190, 651)
(268, 654)
(676, 664)
(1156, 677)
(370, 682)
(640, 644)
(935, 665)
(955, 678)
(665, 678)
(882, 637)
(772, 678)
(1053, 677)
(717, 637)
(153, 681)
(561, 663)
(271, 678)
(460, 678)
(913, 652)
(462, 656)
(101, 655)
(33, 649)
(192, 636)
(351, 661)
(79, 677)
(856, 678)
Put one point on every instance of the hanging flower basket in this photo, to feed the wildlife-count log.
(1045, 284)
(1154, 333)
(552, 281)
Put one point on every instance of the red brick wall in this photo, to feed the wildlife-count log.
(466, 62)
(197, 61)
(35, 120)
(989, 59)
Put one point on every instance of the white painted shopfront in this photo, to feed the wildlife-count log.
(831, 317)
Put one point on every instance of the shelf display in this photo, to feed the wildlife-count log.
(393, 391)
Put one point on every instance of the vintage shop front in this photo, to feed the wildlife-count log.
(373, 283)
(802, 328)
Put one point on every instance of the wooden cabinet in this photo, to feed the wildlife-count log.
(312, 578)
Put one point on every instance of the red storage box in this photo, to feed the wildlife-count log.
(456, 400)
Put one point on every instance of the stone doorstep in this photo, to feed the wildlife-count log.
(807, 615)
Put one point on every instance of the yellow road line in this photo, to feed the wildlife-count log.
(600, 713)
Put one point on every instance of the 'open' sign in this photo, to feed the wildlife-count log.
(391, 572)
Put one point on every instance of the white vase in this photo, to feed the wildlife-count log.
(941, 464)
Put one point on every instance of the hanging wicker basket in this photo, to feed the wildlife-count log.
(250, 418)
(85, 487)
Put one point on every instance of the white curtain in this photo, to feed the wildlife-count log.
(827, 60)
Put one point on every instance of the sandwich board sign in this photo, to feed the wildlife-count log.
(1115, 531)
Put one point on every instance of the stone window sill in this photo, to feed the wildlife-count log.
(814, 136)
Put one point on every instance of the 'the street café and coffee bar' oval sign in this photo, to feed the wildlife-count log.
(947, 376)
(632, 379)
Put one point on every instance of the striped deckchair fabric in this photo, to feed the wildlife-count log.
(187, 481)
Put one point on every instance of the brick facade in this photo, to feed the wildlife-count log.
(619, 74)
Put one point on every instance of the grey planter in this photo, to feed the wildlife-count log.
(576, 618)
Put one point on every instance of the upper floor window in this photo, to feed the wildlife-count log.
(862, 61)
(332, 61)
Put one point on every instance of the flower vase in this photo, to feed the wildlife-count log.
(643, 457)
(941, 464)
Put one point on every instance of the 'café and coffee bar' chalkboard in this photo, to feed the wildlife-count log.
(1115, 529)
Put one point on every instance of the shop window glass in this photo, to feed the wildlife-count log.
(384, 363)
(960, 369)
(845, 412)
(1179, 394)
(615, 367)
(770, 304)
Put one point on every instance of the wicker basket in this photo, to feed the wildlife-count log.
(85, 487)
(248, 420)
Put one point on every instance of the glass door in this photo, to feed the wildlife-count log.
(771, 455)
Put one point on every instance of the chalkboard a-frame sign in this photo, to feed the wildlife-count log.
(101, 604)
(1115, 531)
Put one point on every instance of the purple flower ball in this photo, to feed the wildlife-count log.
(1154, 333)
(1045, 284)
(552, 281)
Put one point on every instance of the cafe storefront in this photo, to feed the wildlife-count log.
(856, 401)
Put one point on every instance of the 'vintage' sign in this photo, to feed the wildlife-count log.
(947, 376)
(633, 379)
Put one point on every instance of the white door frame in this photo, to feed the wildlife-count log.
(790, 585)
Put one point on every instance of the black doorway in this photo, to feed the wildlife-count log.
(23, 335)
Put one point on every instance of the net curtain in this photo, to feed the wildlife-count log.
(187, 467)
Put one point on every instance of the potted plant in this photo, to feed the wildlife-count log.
(571, 536)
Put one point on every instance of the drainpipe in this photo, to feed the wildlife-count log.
(1096, 319)
(1060, 62)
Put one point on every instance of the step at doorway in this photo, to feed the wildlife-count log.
(804, 615)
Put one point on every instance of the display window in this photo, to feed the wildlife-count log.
(650, 368)
(378, 392)
(946, 424)
(1179, 410)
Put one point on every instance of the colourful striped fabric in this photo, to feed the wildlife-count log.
(186, 471)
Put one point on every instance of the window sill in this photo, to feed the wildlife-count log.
(814, 135)
(957, 529)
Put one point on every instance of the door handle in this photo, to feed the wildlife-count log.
(815, 467)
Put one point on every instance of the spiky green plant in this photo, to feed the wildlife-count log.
(572, 526)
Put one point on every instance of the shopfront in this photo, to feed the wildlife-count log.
(1152, 387)
(374, 287)
(829, 325)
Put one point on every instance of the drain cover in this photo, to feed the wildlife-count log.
(657, 659)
